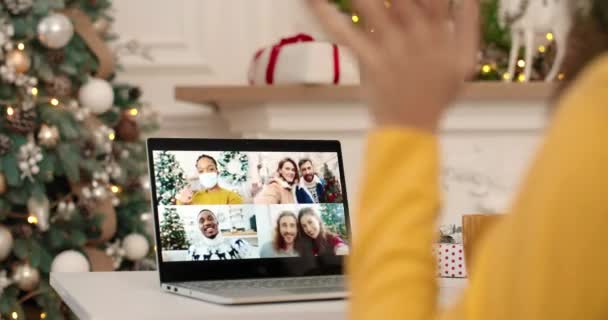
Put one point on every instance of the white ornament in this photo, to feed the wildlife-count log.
(136, 247)
(97, 95)
(533, 19)
(6, 242)
(55, 30)
(70, 261)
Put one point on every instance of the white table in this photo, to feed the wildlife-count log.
(136, 295)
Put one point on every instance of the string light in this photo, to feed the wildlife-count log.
(134, 112)
(112, 136)
(34, 91)
(542, 49)
(521, 78)
(355, 18)
(32, 220)
(10, 111)
(14, 315)
(506, 76)
(21, 46)
(115, 189)
(54, 102)
(486, 68)
(521, 63)
(550, 36)
(561, 76)
(43, 315)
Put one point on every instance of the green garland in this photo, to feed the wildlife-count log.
(233, 177)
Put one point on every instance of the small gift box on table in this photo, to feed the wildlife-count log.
(302, 60)
(450, 260)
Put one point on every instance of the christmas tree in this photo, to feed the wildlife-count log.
(172, 232)
(73, 179)
(333, 218)
(169, 177)
(333, 192)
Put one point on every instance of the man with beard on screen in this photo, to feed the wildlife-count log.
(285, 236)
(214, 245)
(310, 181)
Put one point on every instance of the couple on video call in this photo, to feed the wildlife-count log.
(302, 235)
(286, 187)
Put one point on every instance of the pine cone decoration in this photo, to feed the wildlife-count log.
(18, 6)
(55, 57)
(5, 144)
(22, 121)
(60, 86)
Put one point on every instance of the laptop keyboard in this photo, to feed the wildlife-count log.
(302, 285)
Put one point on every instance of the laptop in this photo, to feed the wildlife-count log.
(250, 221)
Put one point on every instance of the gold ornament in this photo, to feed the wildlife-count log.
(101, 25)
(19, 60)
(2, 183)
(6, 243)
(48, 136)
(26, 277)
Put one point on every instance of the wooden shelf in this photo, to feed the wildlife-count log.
(235, 95)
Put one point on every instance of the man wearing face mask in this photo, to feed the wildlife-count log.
(211, 192)
(214, 246)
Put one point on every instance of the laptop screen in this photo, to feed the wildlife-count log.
(235, 205)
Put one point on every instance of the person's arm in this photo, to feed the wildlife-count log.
(268, 195)
(234, 198)
(392, 269)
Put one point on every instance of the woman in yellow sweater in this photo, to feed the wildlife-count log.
(546, 259)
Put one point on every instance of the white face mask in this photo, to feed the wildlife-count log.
(208, 180)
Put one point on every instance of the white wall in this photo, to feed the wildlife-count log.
(486, 146)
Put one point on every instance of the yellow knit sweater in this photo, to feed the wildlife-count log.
(546, 260)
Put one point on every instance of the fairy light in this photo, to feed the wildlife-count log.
(521, 78)
(521, 63)
(115, 189)
(15, 315)
(54, 102)
(43, 315)
(21, 46)
(355, 18)
(486, 68)
(133, 112)
(550, 36)
(506, 76)
(32, 220)
(10, 111)
(561, 76)
(111, 136)
(34, 91)
(542, 49)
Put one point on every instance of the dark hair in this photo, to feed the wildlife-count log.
(296, 178)
(303, 161)
(587, 40)
(206, 210)
(206, 157)
(279, 243)
(323, 243)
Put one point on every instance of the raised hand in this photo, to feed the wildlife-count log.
(415, 62)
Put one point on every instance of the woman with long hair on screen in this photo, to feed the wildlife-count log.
(541, 261)
(284, 187)
(315, 238)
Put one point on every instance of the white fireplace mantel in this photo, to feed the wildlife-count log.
(487, 137)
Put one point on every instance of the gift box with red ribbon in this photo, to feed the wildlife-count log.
(450, 260)
(302, 60)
